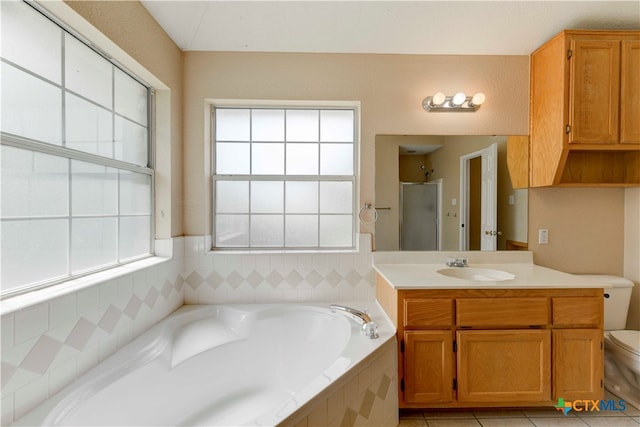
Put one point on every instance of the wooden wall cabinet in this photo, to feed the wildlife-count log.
(474, 348)
(584, 109)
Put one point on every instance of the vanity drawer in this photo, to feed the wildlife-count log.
(502, 312)
(428, 312)
(577, 312)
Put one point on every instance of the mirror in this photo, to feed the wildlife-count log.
(437, 160)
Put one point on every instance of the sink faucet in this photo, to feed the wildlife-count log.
(457, 262)
(367, 326)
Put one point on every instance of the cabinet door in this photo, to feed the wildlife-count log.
(630, 93)
(577, 364)
(504, 366)
(595, 92)
(428, 366)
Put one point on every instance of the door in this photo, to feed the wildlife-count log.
(630, 93)
(428, 366)
(488, 228)
(577, 364)
(595, 90)
(419, 216)
(504, 366)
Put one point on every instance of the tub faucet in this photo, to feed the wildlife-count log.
(368, 327)
(457, 262)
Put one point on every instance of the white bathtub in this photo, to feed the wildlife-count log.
(225, 365)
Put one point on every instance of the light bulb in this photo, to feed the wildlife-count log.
(438, 98)
(477, 99)
(458, 99)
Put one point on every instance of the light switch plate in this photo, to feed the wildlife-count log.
(543, 236)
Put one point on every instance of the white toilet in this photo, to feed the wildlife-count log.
(622, 347)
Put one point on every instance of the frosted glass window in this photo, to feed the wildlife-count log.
(233, 159)
(267, 230)
(130, 97)
(302, 159)
(94, 189)
(31, 107)
(31, 40)
(267, 197)
(33, 184)
(232, 230)
(336, 159)
(94, 243)
(131, 142)
(302, 125)
(274, 178)
(135, 193)
(302, 197)
(66, 208)
(87, 73)
(267, 125)
(267, 159)
(232, 196)
(301, 231)
(336, 125)
(33, 251)
(336, 197)
(336, 230)
(233, 125)
(134, 237)
(89, 128)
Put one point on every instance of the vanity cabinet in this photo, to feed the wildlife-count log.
(584, 105)
(496, 347)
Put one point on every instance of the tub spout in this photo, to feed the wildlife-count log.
(367, 326)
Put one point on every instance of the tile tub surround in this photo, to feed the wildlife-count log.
(228, 277)
(365, 396)
(47, 345)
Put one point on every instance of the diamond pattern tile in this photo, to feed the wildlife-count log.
(43, 352)
(151, 298)
(110, 319)
(235, 280)
(7, 370)
(133, 307)
(254, 279)
(333, 278)
(81, 334)
(314, 278)
(215, 280)
(294, 278)
(194, 279)
(274, 279)
(353, 277)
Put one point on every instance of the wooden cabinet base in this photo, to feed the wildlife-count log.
(484, 348)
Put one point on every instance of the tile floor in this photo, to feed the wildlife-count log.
(524, 417)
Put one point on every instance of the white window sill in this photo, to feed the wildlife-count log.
(28, 299)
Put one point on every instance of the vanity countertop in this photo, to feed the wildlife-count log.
(419, 270)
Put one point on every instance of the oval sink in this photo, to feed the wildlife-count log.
(477, 274)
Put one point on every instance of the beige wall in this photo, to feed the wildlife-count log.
(586, 229)
(390, 88)
(632, 252)
(132, 29)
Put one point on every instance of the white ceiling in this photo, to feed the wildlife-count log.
(408, 27)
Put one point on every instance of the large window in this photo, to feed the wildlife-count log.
(284, 177)
(75, 165)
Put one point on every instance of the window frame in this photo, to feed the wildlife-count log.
(72, 154)
(353, 178)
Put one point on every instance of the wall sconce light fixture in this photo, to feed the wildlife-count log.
(457, 102)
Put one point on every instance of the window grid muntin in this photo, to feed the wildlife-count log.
(285, 177)
(70, 154)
